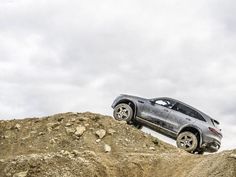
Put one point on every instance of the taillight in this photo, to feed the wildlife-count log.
(215, 131)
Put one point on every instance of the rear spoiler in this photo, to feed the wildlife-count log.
(215, 121)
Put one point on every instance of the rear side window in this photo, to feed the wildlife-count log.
(188, 111)
(199, 117)
(181, 108)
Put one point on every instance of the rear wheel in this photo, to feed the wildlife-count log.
(187, 141)
(123, 112)
(200, 152)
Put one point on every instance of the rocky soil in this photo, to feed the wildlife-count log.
(87, 145)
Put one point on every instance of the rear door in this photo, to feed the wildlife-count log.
(181, 115)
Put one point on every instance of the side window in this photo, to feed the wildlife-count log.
(165, 103)
(199, 117)
(181, 108)
(188, 111)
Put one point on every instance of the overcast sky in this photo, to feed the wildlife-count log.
(78, 55)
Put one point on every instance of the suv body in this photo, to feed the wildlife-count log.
(193, 130)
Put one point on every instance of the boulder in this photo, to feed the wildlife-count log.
(107, 148)
(80, 130)
(21, 174)
(101, 133)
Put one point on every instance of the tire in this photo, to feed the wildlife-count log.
(200, 152)
(123, 112)
(137, 125)
(187, 141)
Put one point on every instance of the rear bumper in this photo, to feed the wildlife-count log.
(213, 146)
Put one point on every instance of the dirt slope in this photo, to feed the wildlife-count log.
(87, 144)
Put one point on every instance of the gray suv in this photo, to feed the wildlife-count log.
(193, 130)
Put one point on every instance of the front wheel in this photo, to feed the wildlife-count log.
(123, 112)
(187, 141)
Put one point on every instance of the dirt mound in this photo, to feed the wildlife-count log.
(87, 144)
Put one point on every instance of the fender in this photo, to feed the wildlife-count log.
(128, 101)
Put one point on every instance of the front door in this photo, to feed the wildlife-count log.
(157, 112)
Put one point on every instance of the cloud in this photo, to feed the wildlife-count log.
(58, 56)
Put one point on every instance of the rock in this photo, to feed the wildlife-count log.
(122, 122)
(60, 119)
(41, 133)
(98, 140)
(68, 124)
(152, 148)
(155, 141)
(75, 152)
(36, 120)
(82, 160)
(63, 152)
(107, 148)
(83, 118)
(80, 130)
(8, 174)
(52, 141)
(33, 132)
(51, 126)
(232, 156)
(56, 128)
(74, 113)
(86, 125)
(69, 130)
(21, 174)
(25, 138)
(71, 155)
(73, 119)
(101, 133)
(17, 126)
(111, 131)
(90, 153)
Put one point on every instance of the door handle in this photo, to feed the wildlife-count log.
(140, 101)
(166, 110)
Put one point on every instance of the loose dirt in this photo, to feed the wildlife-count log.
(87, 145)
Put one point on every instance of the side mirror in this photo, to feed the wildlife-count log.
(152, 101)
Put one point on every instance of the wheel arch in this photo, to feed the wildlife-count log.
(130, 103)
(195, 130)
